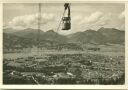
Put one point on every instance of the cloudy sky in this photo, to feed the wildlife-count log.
(83, 16)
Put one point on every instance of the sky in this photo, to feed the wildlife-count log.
(84, 16)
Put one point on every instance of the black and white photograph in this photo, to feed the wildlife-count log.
(63, 44)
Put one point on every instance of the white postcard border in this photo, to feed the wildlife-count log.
(65, 86)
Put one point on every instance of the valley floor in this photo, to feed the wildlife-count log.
(105, 66)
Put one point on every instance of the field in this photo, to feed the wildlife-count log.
(104, 66)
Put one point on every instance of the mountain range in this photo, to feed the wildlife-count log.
(29, 37)
(101, 36)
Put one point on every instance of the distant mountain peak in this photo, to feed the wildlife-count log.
(102, 29)
(29, 29)
(51, 31)
(9, 30)
(90, 30)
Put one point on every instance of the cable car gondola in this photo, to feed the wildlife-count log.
(66, 21)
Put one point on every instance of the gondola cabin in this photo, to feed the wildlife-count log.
(66, 20)
(66, 23)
